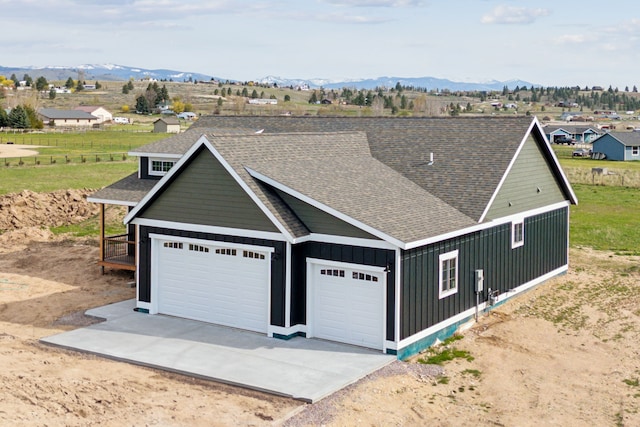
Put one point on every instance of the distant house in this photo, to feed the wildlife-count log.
(263, 101)
(99, 112)
(620, 146)
(66, 118)
(187, 115)
(580, 134)
(167, 125)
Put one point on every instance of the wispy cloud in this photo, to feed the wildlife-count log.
(377, 3)
(513, 15)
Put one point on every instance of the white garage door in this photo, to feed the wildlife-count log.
(347, 305)
(217, 284)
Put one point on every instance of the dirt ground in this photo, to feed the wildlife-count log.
(565, 353)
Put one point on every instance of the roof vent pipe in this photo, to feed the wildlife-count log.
(430, 159)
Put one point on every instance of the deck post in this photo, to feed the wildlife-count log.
(101, 221)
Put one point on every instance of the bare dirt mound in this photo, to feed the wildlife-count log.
(30, 209)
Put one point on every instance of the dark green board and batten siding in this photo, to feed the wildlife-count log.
(278, 261)
(204, 193)
(529, 185)
(544, 250)
(340, 253)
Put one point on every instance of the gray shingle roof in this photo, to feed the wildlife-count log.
(54, 113)
(374, 170)
(627, 138)
(471, 154)
(129, 190)
(357, 185)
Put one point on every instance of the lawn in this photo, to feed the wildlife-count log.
(64, 176)
(606, 218)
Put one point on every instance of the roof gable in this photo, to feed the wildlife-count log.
(533, 179)
(203, 145)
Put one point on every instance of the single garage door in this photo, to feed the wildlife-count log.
(213, 283)
(347, 305)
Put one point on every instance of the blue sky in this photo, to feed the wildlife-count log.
(555, 43)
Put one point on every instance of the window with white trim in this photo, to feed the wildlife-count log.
(635, 150)
(517, 234)
(448, 274)
(158, 167)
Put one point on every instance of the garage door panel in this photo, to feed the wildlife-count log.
(224, 288)
(348, 305)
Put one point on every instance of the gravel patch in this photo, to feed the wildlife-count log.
(322, 412)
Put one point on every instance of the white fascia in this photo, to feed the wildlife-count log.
(210, 229)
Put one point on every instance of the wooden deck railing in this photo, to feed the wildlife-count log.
(118, 252)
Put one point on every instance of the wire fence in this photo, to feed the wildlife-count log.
(63, 159)
(604, 176)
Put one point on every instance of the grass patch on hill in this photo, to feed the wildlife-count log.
(70, 176)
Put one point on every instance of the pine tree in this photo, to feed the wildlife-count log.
(18, 118)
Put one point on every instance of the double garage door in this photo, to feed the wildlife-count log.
(346, 304)
(211, 282)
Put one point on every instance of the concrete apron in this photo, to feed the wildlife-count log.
(300, 368)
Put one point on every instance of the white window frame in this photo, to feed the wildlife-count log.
(162, 162)
(635, 150)
(442, 258)
(514, 225)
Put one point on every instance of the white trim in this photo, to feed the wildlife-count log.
(308, 200)
(137, 272)
(448, 256)
(209, 229)
(310, 301)
(398, 295)
(484, 225)
(514, 224)
(218, 243)
(158, 155)
(112, 202)
(344, 240)
(287, 286)
(470, 312)
(178, 167)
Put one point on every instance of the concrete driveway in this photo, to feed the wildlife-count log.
(301, 368)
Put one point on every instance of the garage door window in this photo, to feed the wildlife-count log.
(329, 272)
(198, 248)
(226, 251)
(251, 254)
(364, 276)
(174, 245)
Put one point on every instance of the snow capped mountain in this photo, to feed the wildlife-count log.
(114, 72)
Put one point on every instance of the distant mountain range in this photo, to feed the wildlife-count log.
(111, 72)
